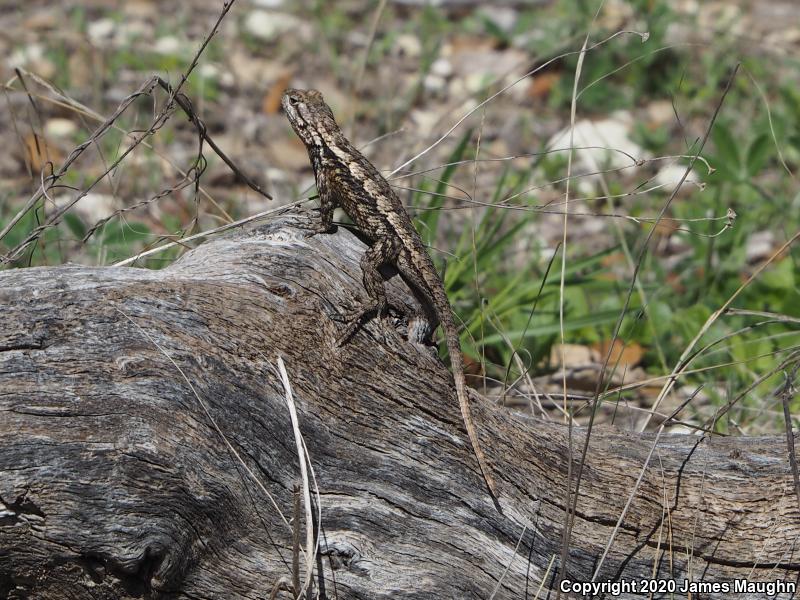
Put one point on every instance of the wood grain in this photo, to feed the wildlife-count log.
(114, 482)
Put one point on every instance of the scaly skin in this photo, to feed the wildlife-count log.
(345, 178)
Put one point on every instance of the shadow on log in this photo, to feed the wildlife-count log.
(114, 482)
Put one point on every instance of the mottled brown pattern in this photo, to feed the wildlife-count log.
(346, 178)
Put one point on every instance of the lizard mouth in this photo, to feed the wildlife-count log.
(292, 112)
(296, 118)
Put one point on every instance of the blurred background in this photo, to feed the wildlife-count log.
(489, 199)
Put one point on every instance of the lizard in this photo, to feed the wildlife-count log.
(344, 177)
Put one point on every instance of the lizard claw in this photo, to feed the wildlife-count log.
(359, 319)
(317, 229)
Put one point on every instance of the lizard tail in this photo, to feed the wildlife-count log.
(457, 364)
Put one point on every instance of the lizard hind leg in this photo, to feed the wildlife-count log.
(382, 252)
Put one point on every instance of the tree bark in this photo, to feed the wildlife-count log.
(138, 408)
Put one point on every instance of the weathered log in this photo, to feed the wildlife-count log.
(115, 483)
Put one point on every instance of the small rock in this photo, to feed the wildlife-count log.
(131, 30)
(43, 19)
(660, 112)
(718, 16)
(475, 82)
(599, 145)
(208, 71)
(25, 55)
(276, 175)
(483, 65)
(100, 30)
(227, 79)
(434, 83)
(246, 68)
(502, 17)
(140, 9)
(572, 356)
(442, 67)
(269, 25)
(91, 207)
(408, 45)
(669, 176)
(425, 120)
(44, 68)
(785, 37)
(759, 246)
(605, 142)
(59, 128)
(169, 45)
(615, 14)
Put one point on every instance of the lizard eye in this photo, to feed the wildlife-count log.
(294, 100)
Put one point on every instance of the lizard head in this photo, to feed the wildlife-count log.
(310, 117)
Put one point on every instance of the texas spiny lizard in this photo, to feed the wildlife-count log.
(345, 178)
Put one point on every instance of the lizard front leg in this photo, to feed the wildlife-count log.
(327, 204)
(382, 252)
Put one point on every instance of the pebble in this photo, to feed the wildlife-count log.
(100, 30)
(669, 176)
(169, 45)
(502, 17)
(59, 128)
(434, 83)
(759, 246)
(408, 45)
(442, 67)
(660, 112)
(269, 25)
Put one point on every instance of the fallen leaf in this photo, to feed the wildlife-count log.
(541, 85)
(37, 152)
(272, 99)
(624, 356)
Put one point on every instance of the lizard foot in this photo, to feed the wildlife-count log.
(313, 230)
(357, 320)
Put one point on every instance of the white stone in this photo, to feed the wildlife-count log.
(25, 55)
(661, 112)
(759, 246)
(169, 45)
(503, 17)
(268, 25)
(92, 207)
(408, 44)
(669, 176)
(475, 82)
(208, 71)
(609, 140)
(434, 83)
(100, 29)
(131, 30)
(442, 68)
(59, 128)
(599, 145)
(424, 120)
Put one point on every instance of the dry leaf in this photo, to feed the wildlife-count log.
(272, 99)
(37, 152)
(624, 356)
(541, 85)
